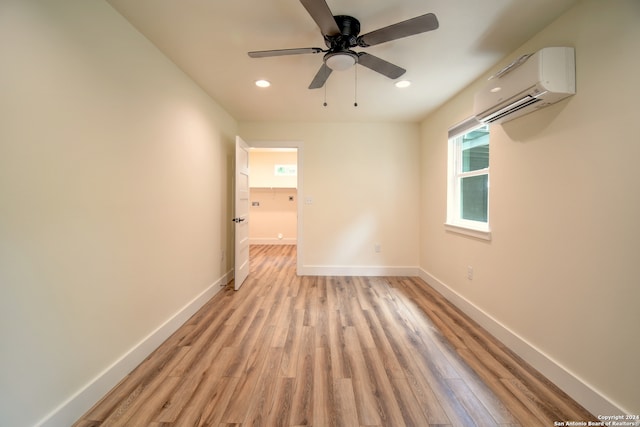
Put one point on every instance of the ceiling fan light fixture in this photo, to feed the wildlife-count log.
(263, 83)
(340, 61)
(403, 83)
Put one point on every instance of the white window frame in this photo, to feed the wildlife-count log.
(285, 170)
(455, 223)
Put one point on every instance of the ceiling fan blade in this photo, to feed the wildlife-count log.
(380, 65)
(321, 77)
(417, 25)
(320, 12)
(282, 52)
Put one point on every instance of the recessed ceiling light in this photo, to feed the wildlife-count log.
(263, 83)
(403, 83)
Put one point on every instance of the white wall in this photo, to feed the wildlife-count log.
(273, 221)
(363, 180)
(561, 269)
(114, 193)
(262, 168)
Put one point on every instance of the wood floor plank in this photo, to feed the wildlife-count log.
(311, 300)
(359, 321)
(219, 397)
(205, 349)
(388, 356)
(341, 367)
(280, 412)
(277, 302)
(432, 409)
(383, 392)
(249, 375)
(292, 344)
(302, 406)
(366, 404)
(483, 392)
(193, 411)
(323, 328)
(245, 347)
(324, 410)
(145, 409)
(345, 403)
(411, 409)
(421, 377)
(331, 351)
(263, 395)
(481, 417)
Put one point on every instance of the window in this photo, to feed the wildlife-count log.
(468, 187)
(285, 170)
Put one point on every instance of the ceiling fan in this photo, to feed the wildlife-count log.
(341, 33)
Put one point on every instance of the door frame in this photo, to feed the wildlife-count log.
(299, 145)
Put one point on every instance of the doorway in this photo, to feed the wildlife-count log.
(276, 192)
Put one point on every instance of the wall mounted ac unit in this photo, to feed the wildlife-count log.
(527, 84)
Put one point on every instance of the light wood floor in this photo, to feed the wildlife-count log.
(331, 351)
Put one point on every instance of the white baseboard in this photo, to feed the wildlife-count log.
(346, 270)
(78, 404)
(274, 241)
(580, 391)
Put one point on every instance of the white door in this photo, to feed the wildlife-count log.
(241, 220)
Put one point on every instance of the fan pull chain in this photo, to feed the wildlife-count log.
(325, 94)
(355, 95)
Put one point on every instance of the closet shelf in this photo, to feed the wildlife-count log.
(273, 188)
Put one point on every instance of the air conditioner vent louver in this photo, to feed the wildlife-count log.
(547, 75)
(511, 108)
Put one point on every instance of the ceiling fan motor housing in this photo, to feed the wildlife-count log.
(348, 37)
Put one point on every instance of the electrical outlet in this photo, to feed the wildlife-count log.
(469, 272)
(377, 248)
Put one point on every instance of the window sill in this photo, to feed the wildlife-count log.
(472, 232)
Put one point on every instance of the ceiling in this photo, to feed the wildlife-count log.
(209, 41)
